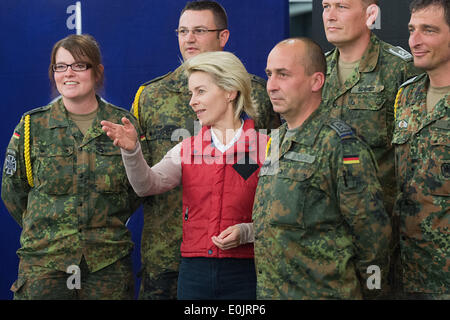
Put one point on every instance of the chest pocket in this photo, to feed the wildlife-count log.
(438, 166)
(368, 115)
(110, 175)
(295, 172)
(54, 169)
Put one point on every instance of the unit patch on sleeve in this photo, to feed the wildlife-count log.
(10, 162)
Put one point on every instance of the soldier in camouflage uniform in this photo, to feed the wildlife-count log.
(162, 106)
(422, 155)
(363, 76)
(65, 184)
(318, 214)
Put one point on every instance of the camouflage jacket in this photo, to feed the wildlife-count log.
(318, 215)
(422, 155)
(81, 197)
(163, 107)
(366, 101)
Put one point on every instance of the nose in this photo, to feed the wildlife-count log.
(190, 37)
(414, 39)
(193, 101)
(329, 14)
(272, 84)
(69, 71)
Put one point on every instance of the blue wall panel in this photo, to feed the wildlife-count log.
(138, 43)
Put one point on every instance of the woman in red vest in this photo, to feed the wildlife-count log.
(218, 169)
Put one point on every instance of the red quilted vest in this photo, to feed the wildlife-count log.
(218, 190)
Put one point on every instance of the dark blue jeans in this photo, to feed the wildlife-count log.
(217, 279)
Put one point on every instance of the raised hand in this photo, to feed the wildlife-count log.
(123, 136)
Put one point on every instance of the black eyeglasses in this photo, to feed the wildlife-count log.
(76, 66)
(196, 31)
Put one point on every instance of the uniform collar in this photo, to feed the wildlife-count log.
(177, 81)
(59, 117)
(307, 133)
(368, 61)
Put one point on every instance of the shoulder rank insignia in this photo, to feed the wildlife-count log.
(341, 128)
(401, 53)
(409, 81)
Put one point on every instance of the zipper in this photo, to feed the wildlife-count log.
(186, 214)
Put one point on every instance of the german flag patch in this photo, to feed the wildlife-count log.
(142, 137)
(351, 159)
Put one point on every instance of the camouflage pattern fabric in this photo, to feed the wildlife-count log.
(366, 101)
(318, 215)
(114, 282)
(163, 108)
(81, 198)
(422, 155)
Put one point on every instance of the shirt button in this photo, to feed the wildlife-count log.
(210, 251)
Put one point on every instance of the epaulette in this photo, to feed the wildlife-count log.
(400, 52)
(411, 80)
(138, 94)
(342, 129)
(258, 79)
(36, 110)
(400, 90)
(116, 107)
(155, 79)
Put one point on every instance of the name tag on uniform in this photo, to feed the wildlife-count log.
(300, 157)
(367, 89)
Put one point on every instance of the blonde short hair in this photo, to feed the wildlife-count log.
(229, 74)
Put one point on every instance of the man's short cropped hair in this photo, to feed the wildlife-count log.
(422, 4)
(369, 2)
(220, 15)
(314, 60)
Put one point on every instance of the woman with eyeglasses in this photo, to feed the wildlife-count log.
(218, 169)
(65, 184)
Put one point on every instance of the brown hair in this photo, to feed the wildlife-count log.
(422, 4)
(83, 48)
(220, 15)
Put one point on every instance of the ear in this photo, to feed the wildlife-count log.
(318, 80)
(372, 12)
(231, 95)
(223, 37)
